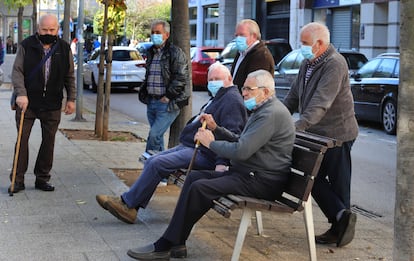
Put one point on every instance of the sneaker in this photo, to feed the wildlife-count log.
(119, 209)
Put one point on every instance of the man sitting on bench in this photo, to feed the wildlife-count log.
(227, 108)
(260, 160)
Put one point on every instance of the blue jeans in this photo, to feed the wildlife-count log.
(160, 120)
(161, 166)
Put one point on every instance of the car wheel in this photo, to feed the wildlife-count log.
(389, 117)
(85, 86)
(94, 85)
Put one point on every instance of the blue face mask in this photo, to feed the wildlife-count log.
(156, 39)
(250, 103)
(306, 51)
(241, 43)
(214, 87)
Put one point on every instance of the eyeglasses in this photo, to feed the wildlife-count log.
(249, 89)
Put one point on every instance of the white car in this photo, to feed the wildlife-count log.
(128, 68)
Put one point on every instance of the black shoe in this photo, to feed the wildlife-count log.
(148, 253)
(179, 251)
(45, 186)
(329, 237)
(346, 228)
(17, 187)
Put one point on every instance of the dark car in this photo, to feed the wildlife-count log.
(201, 59)
(287, 69)
(279, 47)
(375, 91)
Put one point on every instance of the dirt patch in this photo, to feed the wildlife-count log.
(75, 134)
(128, 176)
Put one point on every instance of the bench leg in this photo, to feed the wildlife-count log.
(241, 234)
(259, 223)
(308, 216)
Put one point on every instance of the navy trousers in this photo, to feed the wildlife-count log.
(332, 188)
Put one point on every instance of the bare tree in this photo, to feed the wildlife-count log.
(180, 33)
(404, 205)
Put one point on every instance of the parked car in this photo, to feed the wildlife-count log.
(287, 69)
(201, 59)
(143, 48)
(375, 91)
(279, 47)
(128, 68)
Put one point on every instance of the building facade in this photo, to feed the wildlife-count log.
(369, 26)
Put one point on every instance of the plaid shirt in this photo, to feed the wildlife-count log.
(155, 82)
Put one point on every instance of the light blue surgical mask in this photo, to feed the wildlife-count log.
(214, 87)
(156, 39)
(250, 103)
(306, 51)
(241, 43)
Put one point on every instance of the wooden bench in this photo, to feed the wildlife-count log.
(308, 154)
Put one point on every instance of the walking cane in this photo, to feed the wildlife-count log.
(16, 154)
(190, 166)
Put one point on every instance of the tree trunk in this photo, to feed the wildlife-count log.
(404, 205)
(20, 24)
(100, 89)
(34, 16)
(180, 33)
(66, 21)
(107, 89)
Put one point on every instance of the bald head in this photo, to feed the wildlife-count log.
(48, 24)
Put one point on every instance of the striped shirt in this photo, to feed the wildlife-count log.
(310, 66)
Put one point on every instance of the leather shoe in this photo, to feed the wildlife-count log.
(17, 187)
(329, 237)
(44, 186)
(118, 208)
(179, 251)
(346, 228)
(148, 253)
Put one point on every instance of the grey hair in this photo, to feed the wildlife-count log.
(264, 79)
(219, 66)
(43, 17)
(253, 27)
(164, 24)
(317, 31)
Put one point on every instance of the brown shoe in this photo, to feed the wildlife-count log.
(102, 200)
(120, 210)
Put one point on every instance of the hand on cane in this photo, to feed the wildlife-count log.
(204, 137)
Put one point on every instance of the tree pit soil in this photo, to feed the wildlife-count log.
(76, 134)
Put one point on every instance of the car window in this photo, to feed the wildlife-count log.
(354, 60)
(278, 50)
(385, 68)
(229, 51)
(291, 61)
(210, 54)
(192, 52)
(397, 70)
(125, 55)
(368, 69)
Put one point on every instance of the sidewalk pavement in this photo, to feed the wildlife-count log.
(68, 224)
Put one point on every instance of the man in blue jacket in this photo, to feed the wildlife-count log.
(228, 110)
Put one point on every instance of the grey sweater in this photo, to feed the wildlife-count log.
(325, 104)
(266, 143)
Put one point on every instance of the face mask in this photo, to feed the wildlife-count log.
(47, 38)
(156, 39)
(250, 103)
(306, 51)
(214, 86)
(241, 43)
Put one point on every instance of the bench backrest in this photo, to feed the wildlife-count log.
(307, 157)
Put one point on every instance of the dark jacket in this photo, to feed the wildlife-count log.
(325, 104)
(259, 57)
(31, 83)
(228, 110)
(174, 70)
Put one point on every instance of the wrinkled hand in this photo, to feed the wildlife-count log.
(70, 107)
(221, 168)
(204, 136)
(211, 124)
(22, 102)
